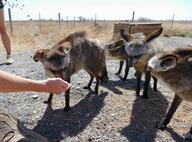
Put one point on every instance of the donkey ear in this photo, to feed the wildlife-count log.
(65, 47)
(153, 35)
(125, 36)
(184, 51)
(40, 54)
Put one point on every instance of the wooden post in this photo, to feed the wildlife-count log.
(67, 20)
(59, 18)
(133, 16)
(39, 22)
(74, 20)
(10, 20)
(95, 21)
(172, 22)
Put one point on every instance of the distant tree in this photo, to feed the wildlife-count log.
(143, 19)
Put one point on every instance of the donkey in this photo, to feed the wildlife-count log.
(138, 50)
(70, 55)
(175, 69)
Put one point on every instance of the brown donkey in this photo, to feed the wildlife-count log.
(70, 55)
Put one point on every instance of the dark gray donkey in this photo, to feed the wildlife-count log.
(175, 69)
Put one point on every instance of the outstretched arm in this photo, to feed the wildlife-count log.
(13, 83)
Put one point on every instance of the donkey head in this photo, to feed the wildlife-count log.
(138, 46)
(55, 60)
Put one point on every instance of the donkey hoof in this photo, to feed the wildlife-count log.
(160, 126)
(123, 79)
(144, 96)
(67, 108)
(117, 73)
(86, 87)
(47, 102)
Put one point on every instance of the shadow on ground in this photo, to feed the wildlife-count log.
(145, 115)
(113, 85)
(57, 124)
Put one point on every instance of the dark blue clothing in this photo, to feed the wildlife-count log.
(1, 4)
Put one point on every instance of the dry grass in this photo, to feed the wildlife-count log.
(179, 28)
(29, 35)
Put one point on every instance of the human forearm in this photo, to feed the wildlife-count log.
(13, 83)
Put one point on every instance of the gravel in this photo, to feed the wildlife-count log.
(115, 114)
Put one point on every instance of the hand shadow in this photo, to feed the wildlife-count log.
(57, 124)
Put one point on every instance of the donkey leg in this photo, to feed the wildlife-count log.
(49, 100)
(174, 105)
(146, 85)
(67, 97)
(126, 70)
(120, 68)
(155, 84)
(138, 75)
(90, 82)
(97, 85)
(104, 76)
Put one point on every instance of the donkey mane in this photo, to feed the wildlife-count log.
(72, 37)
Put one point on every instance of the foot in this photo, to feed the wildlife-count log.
(12, 130)
(9, 60)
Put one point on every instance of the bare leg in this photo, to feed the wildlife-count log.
(4, 34)
(174, 105)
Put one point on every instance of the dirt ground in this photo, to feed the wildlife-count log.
(115, 114)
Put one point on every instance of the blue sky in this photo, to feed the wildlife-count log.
(104, 9)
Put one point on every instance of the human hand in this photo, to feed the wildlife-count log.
(56, 85)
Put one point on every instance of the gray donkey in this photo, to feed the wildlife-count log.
(70, 55)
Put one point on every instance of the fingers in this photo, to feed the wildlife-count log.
(57, 85)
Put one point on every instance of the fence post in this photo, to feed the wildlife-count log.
(133, 16)
(74, 21)
(95, 21)
(40, 22)
(10, 20)
(172, 22)
(59, 18)
(67, 20)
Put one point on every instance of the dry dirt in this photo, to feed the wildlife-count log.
(115, 114)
